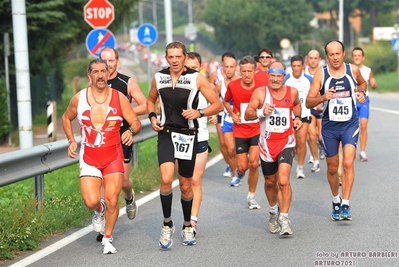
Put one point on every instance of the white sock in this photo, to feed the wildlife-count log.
(274, 209)
(251, 195)
(283, 215)
(336, 199)
(316, 162)
(194, 218)
(300, 167)
(345, 202)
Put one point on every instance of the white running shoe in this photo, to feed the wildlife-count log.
(194, 226)
(188, 236)
(300, 174)
(274, 225)
(285, 225)
(98, 219)
(165, 240)
(108, 248)
(228, 172)
(131, 209)
(235, 181)
(310, 159)
(316, 167)
(252, 204)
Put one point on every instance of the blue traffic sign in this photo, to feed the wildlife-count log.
(395, 44)
(97, 39)
(147, 34)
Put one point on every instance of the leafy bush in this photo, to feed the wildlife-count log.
(5, 124)
(77, 67)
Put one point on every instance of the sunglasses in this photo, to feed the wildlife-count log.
(265, 57)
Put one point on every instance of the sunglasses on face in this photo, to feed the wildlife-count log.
(265, 57)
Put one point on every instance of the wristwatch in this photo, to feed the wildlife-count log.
(201, 112)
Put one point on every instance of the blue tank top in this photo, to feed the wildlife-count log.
(341, 109)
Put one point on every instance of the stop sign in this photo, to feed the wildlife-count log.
(99, 13)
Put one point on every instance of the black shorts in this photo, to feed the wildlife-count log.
(202, 147)
(166, 151)
(306, 119)
(317, 113)
(219, 117)
(270, 168)
(243, 144)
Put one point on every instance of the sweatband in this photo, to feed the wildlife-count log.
(277, 71)
(259, 113)
(152, 114)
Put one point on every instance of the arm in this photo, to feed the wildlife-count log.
(373, 82)
(314, 97)
(130, 116)
(135, 92)
(67, 118)
(297, 110)
(254, 105)
(151, 100)
(361, 85)
(214, 107)
(212, 77)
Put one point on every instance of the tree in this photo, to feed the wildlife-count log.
(247, 26)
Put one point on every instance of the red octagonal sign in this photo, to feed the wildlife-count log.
(99, 13)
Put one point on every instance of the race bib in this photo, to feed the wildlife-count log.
(243, 108)
(340, 109)
(278, 121)
(183, 145)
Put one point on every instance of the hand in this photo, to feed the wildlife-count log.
(213, 119)
(72, 150)
(329, 94)
(361, 97)
(191, 114)
(297, 124)
(127, 138)
(268, 109)
(156, 124)
(236, 117)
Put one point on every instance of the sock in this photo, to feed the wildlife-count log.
(128, 201)
(336, 199)
(274, 209)
(194, 218)
(251, 195)
(345, 202)
(107, 236)
(240, 175)
(168, 222)
(316, 161)
(166, 202)
(283, 215)
(186, 205)
(300, 167)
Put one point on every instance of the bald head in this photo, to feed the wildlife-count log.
(313, 59)
(334, 45)
(314, 53)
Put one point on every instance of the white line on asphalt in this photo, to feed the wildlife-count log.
(89, 229)
(385, 110)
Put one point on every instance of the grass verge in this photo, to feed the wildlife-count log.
(387, 82)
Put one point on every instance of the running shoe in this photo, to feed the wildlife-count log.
(166, 241)
(285, 228)
(300, 174)
(274, 225)
(131, 209)
(194, 226)
(108, 248)
(188, 236)
(336, 211)
(346, 213)
(228, 172)
(99, 237)
(310, 159)
(315, 168)
(98, 219)
(235, 181)
(363, 156)
(252, 204)
(322, 153)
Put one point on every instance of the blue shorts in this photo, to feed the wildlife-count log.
(347, 134)
(363, 110)
(227, 127)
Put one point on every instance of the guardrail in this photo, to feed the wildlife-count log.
(39, 160)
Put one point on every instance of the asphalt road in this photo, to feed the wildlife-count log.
(229, 234)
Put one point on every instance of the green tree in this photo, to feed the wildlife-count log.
(247, 26)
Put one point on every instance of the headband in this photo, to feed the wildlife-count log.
(277, 71)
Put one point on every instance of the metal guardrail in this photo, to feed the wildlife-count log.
(39, 160)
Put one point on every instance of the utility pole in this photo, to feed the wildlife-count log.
(22, 73)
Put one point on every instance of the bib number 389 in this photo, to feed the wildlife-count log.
(183, 145)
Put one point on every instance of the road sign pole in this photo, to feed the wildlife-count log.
(149, 68)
